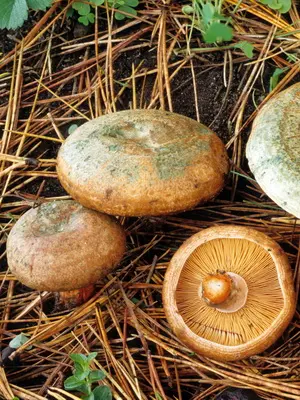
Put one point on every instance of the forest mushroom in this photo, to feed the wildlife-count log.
(273, 149)
(63, 247)
(142, 162)
(228, 292)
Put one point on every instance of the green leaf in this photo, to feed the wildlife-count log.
(13, 13)
(218, 32)
(275, 77)
(81, 372)
(95, 376)
(187, 10)
(126, 9)
(285, 6)
(246, 47)
(73, 383)
(97, 2)
(39, 4)
(102, 393)
(84, 19)
(91, 357)
(282, 6)
(18, 341)
(79, 358)
(89, 397)
(69, 14)
(208, 11)
(81, 8)
(132, 3)
(91, 17)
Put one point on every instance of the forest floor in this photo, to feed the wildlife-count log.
(55, 73)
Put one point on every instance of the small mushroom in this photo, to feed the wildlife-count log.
(63, 247)
(228, 292)
(273, 149)
(142, 162)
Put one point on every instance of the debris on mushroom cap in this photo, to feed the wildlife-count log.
(273, 149)
(239, 332)
(142, 162)
(61, 246)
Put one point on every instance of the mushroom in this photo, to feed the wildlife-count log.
(142, 162)
(273, 149)
(63, 247)
(228, 292)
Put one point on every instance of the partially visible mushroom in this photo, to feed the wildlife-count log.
(142, 162)
(63, 247)
(228, 292)
(273, 149)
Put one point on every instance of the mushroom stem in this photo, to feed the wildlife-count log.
(74, 298)
(225, 291)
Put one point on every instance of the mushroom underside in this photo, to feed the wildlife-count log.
(265, 299)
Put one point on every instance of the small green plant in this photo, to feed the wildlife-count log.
(86, 16)
(274, 79)
(207, 17)
(15, 12)
(282, 6)
(84, 377)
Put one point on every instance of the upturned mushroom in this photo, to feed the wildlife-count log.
(63, 247)
(273, 149)
(142, 162)
(228, 292)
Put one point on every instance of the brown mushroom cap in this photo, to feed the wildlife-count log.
(142, 162)
(240, 332)
(61, 246)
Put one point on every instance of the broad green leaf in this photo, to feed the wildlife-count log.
(218, 32)
(282, 6)
(91, 357)
(91, 17)
(69, 14)
(246, 47)
(126, 9)
(95, 376)
(97, 2)
(73, 383)
(89, 397)
(39, 4)
(18, 341)
(81, 8)
(81, 372)
(132, 3)
(285, 6)
(79, 358)
(102, 393)
(208, 11)
(275, 78)
(13, 13)
(84, 20)
(187, 10)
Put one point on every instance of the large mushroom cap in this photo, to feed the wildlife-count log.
(263, 301)
(273, 149)
(62, 246)
(143, 162)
